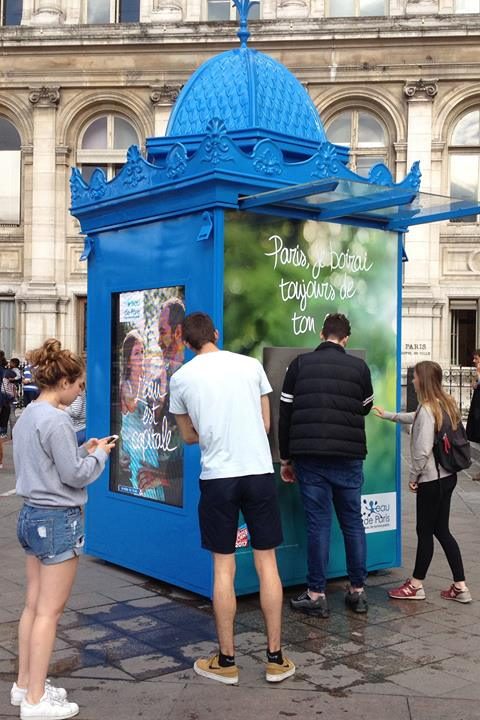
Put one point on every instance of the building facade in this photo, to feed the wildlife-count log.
(82, 80)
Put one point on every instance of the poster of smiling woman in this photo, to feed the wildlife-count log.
(147, 350)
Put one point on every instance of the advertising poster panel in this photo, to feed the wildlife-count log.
(146, 350)
(282, 277)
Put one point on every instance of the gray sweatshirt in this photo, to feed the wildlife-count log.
(51, 469)
(422, 468)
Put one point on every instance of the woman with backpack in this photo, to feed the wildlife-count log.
(431, 482)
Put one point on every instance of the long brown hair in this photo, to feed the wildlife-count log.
(430, 392)
(131, 339)
(51, 364)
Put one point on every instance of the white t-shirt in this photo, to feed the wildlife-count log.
(221, 391)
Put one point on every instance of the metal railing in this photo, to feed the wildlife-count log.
(457, 381)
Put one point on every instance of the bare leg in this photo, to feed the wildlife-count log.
(271, 595)
(56, 583)
(33, 566)
(224, 600)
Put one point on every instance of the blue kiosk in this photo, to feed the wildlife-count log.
(243, 210)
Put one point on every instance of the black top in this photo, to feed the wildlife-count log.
(325, 396)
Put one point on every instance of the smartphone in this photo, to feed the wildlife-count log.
(112, 438)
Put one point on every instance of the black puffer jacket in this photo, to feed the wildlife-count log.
(325, 396)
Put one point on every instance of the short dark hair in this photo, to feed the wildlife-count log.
(336, 325)
(176, 311)
(198, 330)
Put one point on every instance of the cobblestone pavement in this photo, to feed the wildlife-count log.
(127, 643)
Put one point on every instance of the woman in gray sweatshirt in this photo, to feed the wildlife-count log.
(52, 474)
(433, 487)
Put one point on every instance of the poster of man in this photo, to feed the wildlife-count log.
(147, 350)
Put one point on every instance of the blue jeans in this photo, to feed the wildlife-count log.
(325, 481)
(52, 534)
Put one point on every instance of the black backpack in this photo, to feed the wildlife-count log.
(451, 448)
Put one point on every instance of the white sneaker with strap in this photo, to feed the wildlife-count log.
(17, 694)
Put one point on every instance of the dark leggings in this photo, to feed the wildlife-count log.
(4, 418)
(433, 513)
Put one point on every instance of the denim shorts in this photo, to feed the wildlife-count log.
(53, 535)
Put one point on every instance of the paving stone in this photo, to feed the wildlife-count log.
(88, 633)
(332, 647)
(204, 648)
(154, 602)
(378, 662)
(249, 642)
(87, 600)
(108, 613)
(415, 627)
(428, 708)
(140, 623)
(151, 665)
(101, 672)
(130, 592)
(119, 648)
(467, 668)
(279, 703)
(326, 675)
(172, 636)
(122, 700)
(430, 681)
(421, 652)
(458, 642)
(376, 635)
(177, 614)
(6, 654)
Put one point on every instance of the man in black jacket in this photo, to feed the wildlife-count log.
(325, 397)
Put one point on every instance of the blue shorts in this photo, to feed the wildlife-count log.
(52, 534)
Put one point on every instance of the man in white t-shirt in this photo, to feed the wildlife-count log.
(220, 400)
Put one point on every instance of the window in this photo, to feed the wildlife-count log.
(464, 157)
(11, 12)
(7, 325)
(103, 144)
(364, 135)
(10, 162)
(356, 8)
(467, 6)
(463, 333)
(218, 10)
(112, 11)
(82, 325)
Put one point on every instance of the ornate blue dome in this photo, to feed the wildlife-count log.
(246, 89)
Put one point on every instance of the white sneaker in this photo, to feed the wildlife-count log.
(17, 694)
(47, 708)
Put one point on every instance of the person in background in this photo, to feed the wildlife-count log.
(30, 389)
(7, 397)
(473, 421)
(52, 474)
(433, 486)
(14, 365)
(77, 411)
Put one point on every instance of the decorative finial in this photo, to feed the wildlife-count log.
(244, 7)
